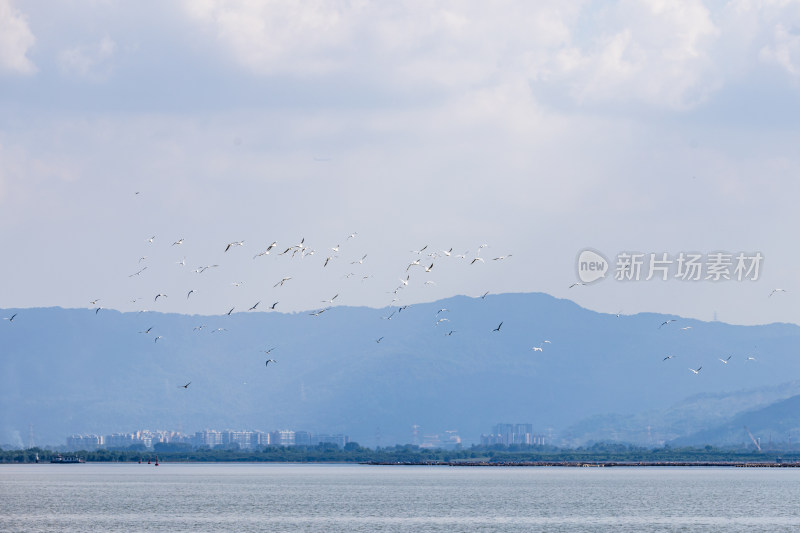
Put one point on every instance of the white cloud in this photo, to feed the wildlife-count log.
(655, 52)
(784, 50)
(16, 39)
(92, 62)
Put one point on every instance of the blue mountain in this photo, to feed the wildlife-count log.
(67, 371)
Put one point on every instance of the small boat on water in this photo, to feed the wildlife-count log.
(70, 459)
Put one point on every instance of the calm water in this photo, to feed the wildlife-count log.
(267, 497)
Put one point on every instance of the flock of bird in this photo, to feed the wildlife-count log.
(422, 261)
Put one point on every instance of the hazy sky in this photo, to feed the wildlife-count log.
(539, 129)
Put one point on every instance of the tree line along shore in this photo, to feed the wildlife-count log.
(602, 454)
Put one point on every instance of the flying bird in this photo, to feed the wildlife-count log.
(668, 357)
(379, 340)
(273, 305)
(184, 386)
(179, 241)
(696, 371)
(230, 244)
(428, 269)
(270, 350)
(137, 273)
(726, 360)
(254, 306)
(157, 295)
(501, 257)
(485, 294)
(156, 339)
(231, 311)
(576, 284)
(331, 300)
(189, 294)
(477, 259)
(498, 327)
(10, 318)
(282, 281)
(270, 361)
(666, 322)
(537, 349)
(776, 290)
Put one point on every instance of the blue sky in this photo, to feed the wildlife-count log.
(539, 129)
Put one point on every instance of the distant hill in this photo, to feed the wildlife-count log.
(679, 423)
(776, 424)
(67, 371)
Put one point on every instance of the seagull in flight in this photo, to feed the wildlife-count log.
(576, 284)
(776, 290)
(231, 244)
(428, 269)
(189, 294)
(256, 305)
(282, 281)
(273, 305)
(726, 360)
(137, 273)
(270, 350)
(360, 261)
(352, 235)
(668, 357)
(159, 294)
(501, 257)
(331, 300)
(379, 340)
(477, 259)
(10, 318)
(150, 240)
(317, 313)
(485, 294)
(666, 322)
(156, 339)
(270, 361)
(687, 328)
(179, 241)
(537, 349)
(498, 327)
(696, 371)
(184, 386)
(231, 311)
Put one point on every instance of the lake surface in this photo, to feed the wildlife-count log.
(268, 497)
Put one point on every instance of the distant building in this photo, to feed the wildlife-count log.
(84, 442)
(208, 437)
(339, 440)
(303, 438)
(512, 434)
(282, 437)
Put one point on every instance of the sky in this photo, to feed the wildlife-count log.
(537, 129)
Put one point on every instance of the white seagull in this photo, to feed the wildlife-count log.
(696, 371)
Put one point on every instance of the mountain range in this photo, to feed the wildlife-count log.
(374, 373)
